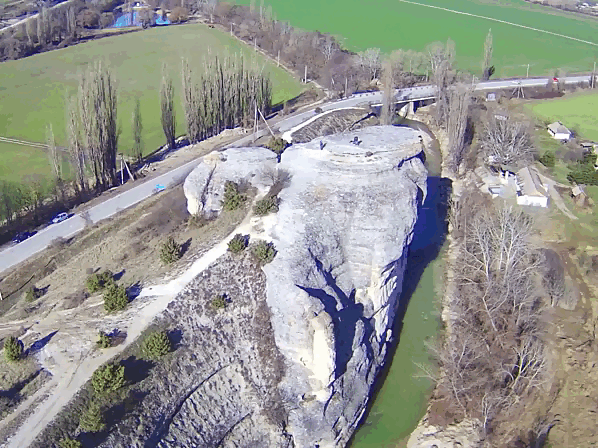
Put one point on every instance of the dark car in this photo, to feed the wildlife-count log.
(22, 236)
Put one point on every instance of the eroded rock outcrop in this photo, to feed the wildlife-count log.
(342, 232)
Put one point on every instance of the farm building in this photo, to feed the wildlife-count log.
(530, 190)
(559, 131)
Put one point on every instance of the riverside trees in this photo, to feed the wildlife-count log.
(494, 356)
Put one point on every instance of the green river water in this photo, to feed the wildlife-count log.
(403, 393)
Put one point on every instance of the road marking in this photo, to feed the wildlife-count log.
(502, 21)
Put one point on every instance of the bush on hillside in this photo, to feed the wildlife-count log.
(67, 442)
(108, 378)
(13, 349)
(237, 244)
(547, 159)
(115, 298)
(219, 302)
(156, 345)
(170, 251)
(264, 252)
(584, 172)
(96, 282)
(267, 205)
(232, 198)
(104, 341)
(92, 420)
(32, 294)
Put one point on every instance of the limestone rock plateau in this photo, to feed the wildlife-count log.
(293, 359)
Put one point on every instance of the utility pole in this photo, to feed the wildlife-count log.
(278, 59)
(346, 87)
(267, 125)
(255, 124)
(594, 75)
(527, 74)
(305, 78)
(231, 28)
(122, 171)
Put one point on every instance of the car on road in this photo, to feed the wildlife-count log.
(22, 237)
(59, 218)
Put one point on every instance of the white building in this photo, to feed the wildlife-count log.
(559, 131)
(530, 190)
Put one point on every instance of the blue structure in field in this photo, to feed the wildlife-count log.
(132, 19)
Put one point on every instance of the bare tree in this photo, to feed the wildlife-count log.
(441, 59)
(137, 128)
(487, 67)
(458, 116)
(388, 98)
(168, 117)
(329, 48)
(506, 141)
(370, 61)
(191, 104)
(76, 152)
(54, 156)
(494, 354)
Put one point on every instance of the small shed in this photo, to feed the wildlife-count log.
(577, 190)
(559, 131)
(530, 190)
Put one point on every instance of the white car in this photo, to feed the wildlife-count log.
(60, 217)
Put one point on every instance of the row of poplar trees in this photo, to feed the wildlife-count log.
(228, 94)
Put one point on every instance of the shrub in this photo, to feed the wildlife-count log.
(264, 252)
(92, 420)
(104, 341)
(67, 442)
(267, 205)
(277, 145)
(108, 378)
(219, 302)
(32, 294)
(156, 345)
(237, 244)
(13, 348)
(232, 198)
(97, 282)
(547, 159)
(115, 298)
(170, 251)
(584, 172)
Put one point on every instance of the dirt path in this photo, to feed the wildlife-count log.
(555, 196)
(70, 376)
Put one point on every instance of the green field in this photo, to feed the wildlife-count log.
(578, 112)
(33, 90)
(393, 24)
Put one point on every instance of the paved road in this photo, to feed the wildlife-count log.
(20, 252)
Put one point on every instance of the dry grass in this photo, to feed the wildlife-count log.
(129, 246)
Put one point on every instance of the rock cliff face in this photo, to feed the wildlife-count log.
(342, 232)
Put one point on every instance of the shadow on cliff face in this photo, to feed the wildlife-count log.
(345, 314)
(429, 235)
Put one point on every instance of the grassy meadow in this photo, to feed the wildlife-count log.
(393, 24)
(33, 90)
(577, 111)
